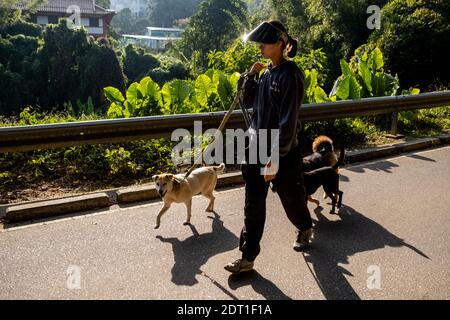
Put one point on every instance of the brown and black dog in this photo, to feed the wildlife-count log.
(323, 154)
(328, 178)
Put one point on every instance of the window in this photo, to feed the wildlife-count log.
(53, 20)
(94, 22)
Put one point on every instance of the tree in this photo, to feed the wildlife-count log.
(215, 26)
(414, 37)
(164, 13)
(10, 16)
(99, 68)
(338, 27)
(125, 22)
(137, 63)
(18, 46)
(74, 66)
(259, 10)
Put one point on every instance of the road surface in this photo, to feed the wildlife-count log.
(390, 241)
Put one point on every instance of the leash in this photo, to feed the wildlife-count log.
(225, 119)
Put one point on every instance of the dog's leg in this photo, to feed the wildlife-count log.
(211, 198)
(311, 199)
(333, 201)
(160, 214)
(340, 199)
(188, 204)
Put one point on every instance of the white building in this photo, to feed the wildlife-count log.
(156, 38)
(94, 18)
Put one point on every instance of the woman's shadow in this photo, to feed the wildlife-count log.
(192, 253)
(335, 241)
(261, 285)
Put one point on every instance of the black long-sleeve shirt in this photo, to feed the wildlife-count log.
(276, 99)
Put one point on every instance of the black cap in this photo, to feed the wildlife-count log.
(266, 33)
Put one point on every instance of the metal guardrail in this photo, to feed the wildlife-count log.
(47, 136)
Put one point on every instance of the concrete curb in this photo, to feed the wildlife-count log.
(45, 209)
(52, 208)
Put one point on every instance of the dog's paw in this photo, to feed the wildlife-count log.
(209, 210)
(186, 223)
(156, 226)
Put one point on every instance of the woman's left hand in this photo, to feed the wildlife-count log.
(268, 176)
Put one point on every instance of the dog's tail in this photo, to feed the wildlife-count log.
(322, 144)
(341, 159)
(219, 169)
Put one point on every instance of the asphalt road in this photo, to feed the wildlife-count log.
(390, 241)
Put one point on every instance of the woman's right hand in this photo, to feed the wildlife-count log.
(256, 68)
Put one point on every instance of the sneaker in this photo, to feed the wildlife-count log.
(238, 266)
(303, 240)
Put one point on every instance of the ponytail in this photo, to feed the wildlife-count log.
(292, 47)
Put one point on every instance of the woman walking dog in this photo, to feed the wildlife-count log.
(276, 99)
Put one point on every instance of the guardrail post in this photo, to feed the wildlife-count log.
(394, 130)
(394, 117)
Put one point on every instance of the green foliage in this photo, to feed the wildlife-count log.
(338, 27)
(314, 59)
(214, 26)
(18, 72)
(170, 68)
(175, 93)
(142, 99)
(137, 62)
(58, 67)
(211, 91)
(21, 27)
(420, 122)
(76, 67)
(414, 37)
(239, 57)
(364, 77)
(125, 22)
(165, 13)
(10, 17)
(98, 164)
(345, 132)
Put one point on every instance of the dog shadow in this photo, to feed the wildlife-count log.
(419, 157)
(192, 253)
(384, 165)
(335, 241)
(261, 285)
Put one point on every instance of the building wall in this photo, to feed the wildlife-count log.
(95, 30)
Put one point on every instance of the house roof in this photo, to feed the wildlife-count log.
(60, 6)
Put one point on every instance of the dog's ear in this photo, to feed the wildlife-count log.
(155, 177)
(169, 176)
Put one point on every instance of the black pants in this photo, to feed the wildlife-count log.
(290, 188)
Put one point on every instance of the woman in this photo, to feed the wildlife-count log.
(276, 99)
